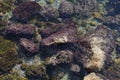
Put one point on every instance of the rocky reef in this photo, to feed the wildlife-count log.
(97, 47)
(59, 40)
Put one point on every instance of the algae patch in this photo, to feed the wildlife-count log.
(8, 54)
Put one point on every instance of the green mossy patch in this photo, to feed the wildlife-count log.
(6, 6)
(37, 72)
(8, 54)
(12, 77)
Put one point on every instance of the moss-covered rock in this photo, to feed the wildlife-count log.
(12, 77)
(37, 72)
(8, 54)
(6, 6)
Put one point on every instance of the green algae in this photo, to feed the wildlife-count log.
(6, 6)
(8, 54)
(37, 71)
(12, 77)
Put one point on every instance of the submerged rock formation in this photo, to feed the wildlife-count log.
(20, 30)
(27, 10)
(96, 48)
(68, 34)
(64, 56)
(29, 46)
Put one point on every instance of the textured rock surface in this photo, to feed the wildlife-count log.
(94, 76)
(49, 13)
(67, 34)
(64, 56)
(47, 31)
(20, 30)
(25, 11)
(29, 46)
(97, 47)
(65, 9)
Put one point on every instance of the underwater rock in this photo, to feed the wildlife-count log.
(64, 56)
(29, 46)
(25, 11)
(65, 9)
(20, 30)
(68, 34)
(8, 54)
(49, 13)
(95, 76)
(35, 72)
(47, 31)
(96, 48)
(113, 71)
(75, 68)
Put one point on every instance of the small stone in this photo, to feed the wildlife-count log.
(65, 9)
(75, 68)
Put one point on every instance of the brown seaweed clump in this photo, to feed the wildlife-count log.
(8, 54)
(26, 11)
(97, 47)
